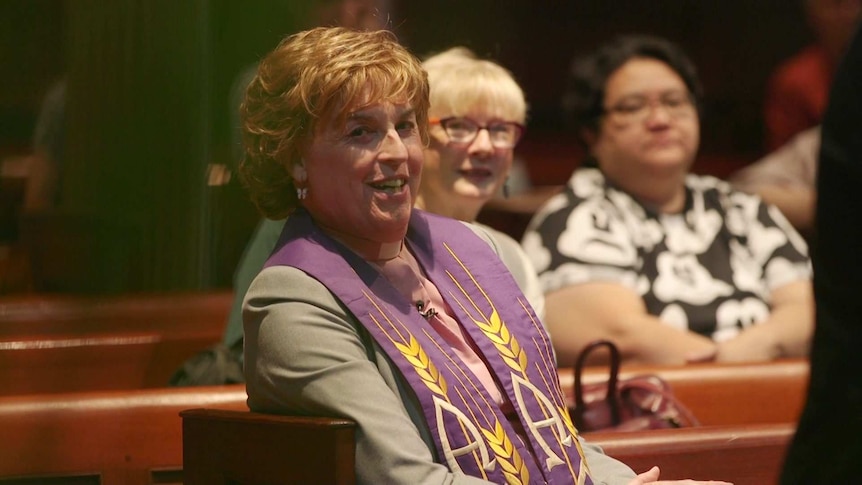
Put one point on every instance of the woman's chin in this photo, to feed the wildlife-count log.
(475, 193)
(669, 163)
(669, 157)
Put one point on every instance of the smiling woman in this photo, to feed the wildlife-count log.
(291, 103)
(477, 115)
(363, 175)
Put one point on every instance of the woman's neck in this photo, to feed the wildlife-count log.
(664, 194)
(670, 201)
(455, 207)
(367, 249)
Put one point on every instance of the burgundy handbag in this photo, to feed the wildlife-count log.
(637, 403)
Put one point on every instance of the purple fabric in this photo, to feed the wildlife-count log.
(484, 297)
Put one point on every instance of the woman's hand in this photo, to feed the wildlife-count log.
(650, 477)
(707, 354)
(786, 333)
(756, 345)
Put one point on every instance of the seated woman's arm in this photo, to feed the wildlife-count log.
(254, 256)
(796, 203)
(786, 270)
(786, 333)
(578, 314)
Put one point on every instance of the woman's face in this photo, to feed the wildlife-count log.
(363, 174)
(464, 174)
(650, 127)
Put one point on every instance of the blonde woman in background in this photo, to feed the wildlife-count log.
(477, 116)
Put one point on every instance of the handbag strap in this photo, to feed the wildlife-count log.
(612, 392)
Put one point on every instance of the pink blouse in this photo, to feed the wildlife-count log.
(405, 274)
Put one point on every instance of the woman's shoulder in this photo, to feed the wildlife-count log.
(488, 233)
(716, 188)
(286, 303)
(587, 182)
(503, 244)
(584, 186)
(285, 283)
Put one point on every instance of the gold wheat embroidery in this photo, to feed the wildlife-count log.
(493, 326)
(512, 464)
(513, 355)
(507, 345)
(498, 333)
(423, 366)
(514, 468)
(567, 420)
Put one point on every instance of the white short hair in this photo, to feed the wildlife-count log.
(459, 82)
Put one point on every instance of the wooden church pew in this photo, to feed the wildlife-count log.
(68, 364)
(184, 323)
(135, 437)
(107, 438)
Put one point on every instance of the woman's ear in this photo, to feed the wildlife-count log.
(297, 171)
(589, 136)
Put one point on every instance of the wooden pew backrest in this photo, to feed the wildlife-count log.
(186, 323)
(725, 394)
(222, 446)
(742, 455)
(66, 314)
(125, 437)
(70, 364)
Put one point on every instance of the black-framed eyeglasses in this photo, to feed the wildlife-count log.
(503, 134)
(633, 109)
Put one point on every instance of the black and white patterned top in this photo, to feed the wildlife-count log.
(709, 269)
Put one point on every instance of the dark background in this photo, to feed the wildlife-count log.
(148, 116)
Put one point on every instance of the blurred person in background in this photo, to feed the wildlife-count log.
(673, 267)
(787, 179)
(799, 88)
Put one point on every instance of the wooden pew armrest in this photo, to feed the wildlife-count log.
(223, 446)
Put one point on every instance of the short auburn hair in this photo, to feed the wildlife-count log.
(312, 77)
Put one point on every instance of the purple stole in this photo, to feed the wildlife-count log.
(471, 434)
